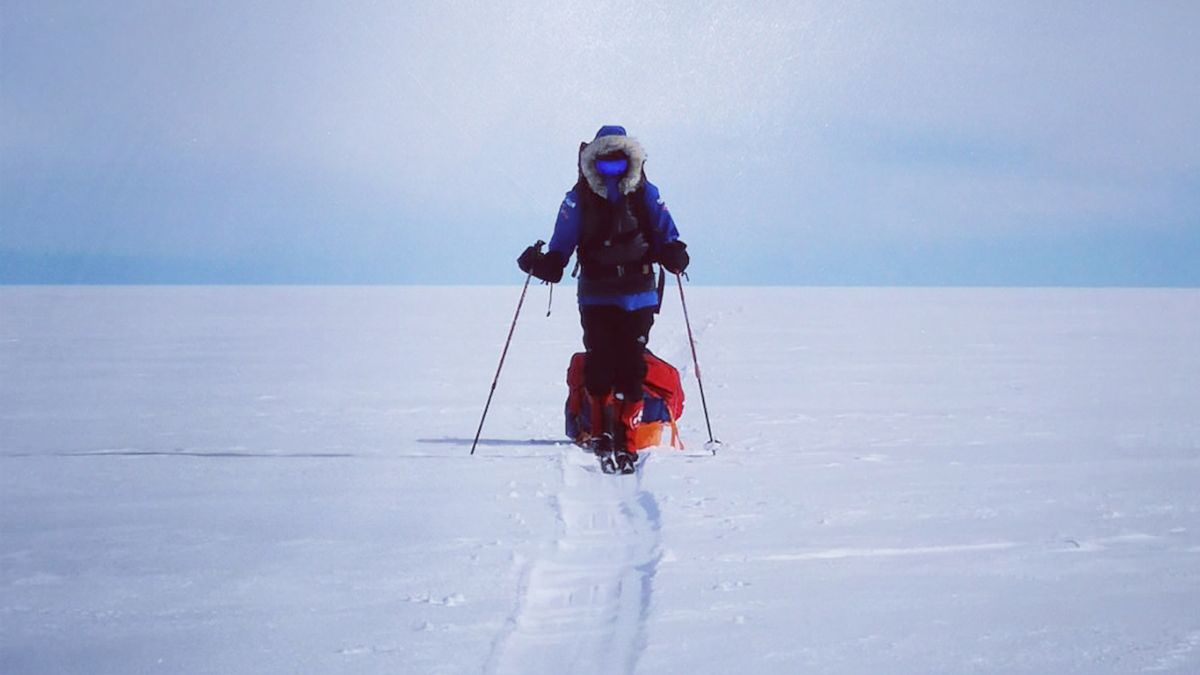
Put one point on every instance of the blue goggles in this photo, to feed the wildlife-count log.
(612, 167)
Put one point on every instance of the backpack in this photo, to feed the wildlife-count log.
(662, 402)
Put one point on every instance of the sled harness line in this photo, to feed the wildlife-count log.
(676, 441)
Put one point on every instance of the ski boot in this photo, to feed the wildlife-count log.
(625, 462)
(626, 438)
(603, 444)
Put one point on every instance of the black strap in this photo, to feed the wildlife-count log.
(595, 271)
(662, 282)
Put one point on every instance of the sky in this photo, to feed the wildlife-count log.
(812, 143)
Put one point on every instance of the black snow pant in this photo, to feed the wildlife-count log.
(615, 341)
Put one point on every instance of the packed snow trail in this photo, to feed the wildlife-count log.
(582, 606)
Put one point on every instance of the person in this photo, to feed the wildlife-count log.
(619, 225)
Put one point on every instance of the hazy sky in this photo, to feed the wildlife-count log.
(1028, 143)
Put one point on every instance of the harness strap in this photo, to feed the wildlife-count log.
(676, 443)
(612, 271)
(662, 281)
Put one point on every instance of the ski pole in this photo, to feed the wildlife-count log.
(712, 442)
(504, 353)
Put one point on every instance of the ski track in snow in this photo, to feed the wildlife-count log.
(582, 606)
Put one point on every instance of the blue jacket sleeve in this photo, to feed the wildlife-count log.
(566, 228)
(662, 224)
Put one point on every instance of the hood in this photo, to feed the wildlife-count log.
(605, 144)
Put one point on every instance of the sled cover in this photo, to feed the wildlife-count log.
(662, 399)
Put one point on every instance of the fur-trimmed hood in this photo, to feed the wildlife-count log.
(606, 144)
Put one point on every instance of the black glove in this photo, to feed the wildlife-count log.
(545, 266)
(528, 257)
(674, 257)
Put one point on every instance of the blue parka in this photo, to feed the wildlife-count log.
(568, 231)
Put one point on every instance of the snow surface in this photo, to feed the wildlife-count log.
(277, 480)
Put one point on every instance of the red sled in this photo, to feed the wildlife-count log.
(662, 403)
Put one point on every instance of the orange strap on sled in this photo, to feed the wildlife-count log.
(676, 442)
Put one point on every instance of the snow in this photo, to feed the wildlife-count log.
(277, 480)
